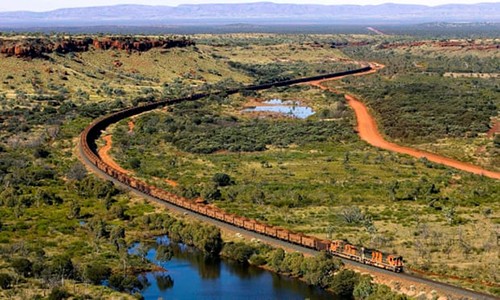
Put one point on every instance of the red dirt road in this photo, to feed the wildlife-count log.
(368, 131)
(103, 153)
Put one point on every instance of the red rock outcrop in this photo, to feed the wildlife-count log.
(40, 47)
(462, 44)
(139, 44)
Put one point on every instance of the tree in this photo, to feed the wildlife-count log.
(164, 282)
(98, 228)
(319, 270)
(364, 288)
(62, 267)
(344, 282)
(142, 251)
(240, 252)
(208, 239)
(292, 262)
(40, 153)
(211, 193)
(134, 163)
(117, 237)
(118, 211)
(276, 259)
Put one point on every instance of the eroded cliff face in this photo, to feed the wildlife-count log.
(462, 44)
(40, 47)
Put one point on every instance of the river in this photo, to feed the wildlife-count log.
(190, 275)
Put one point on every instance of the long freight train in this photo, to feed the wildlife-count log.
(337, 247)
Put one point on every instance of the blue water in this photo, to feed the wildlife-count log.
(289, 108)
(193, 276)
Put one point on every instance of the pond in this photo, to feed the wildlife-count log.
(191, 275)
(289, 108)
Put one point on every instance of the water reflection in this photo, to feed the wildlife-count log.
(290, 108)
(192, 275)
(163, 281)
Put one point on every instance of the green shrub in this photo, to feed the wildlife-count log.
(96, 272)
(22, 266)
(58, 294)
(344, 282)
(5, 281)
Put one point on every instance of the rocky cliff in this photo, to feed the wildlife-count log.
(40, 47)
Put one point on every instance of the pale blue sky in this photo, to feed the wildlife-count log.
(44, 5)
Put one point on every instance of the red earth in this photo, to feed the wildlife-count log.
(368, 131)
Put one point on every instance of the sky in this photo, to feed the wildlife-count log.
(46, 5)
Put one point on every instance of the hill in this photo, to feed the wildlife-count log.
(260, 12)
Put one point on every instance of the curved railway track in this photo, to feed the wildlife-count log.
(90, 157)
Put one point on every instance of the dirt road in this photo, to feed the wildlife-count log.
(104, 154)
(368, 131)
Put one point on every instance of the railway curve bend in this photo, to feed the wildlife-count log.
(89, 156)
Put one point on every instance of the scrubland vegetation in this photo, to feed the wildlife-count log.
(62, 230)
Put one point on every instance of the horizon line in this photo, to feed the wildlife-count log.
(244, 3)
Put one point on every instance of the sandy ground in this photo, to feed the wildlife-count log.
(131, 126)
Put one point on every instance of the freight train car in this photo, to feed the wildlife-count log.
(239, 221)
(283, 234)
(308, 241)
(271, 231)
(249, 225)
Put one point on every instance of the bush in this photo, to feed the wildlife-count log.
(95, 273)
(134, 163)
(76, 172)
(58, 294)
(5, 281)
(319, 270)
(62, 267)
(222, 179)
(22, 266)
(125, 283)
(291, 264)
(40, 153)
(240, 252)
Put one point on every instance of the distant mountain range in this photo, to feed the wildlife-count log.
(257, 13)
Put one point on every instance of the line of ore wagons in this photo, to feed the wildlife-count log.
(337, 247)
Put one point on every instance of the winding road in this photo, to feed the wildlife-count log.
(367, 130)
